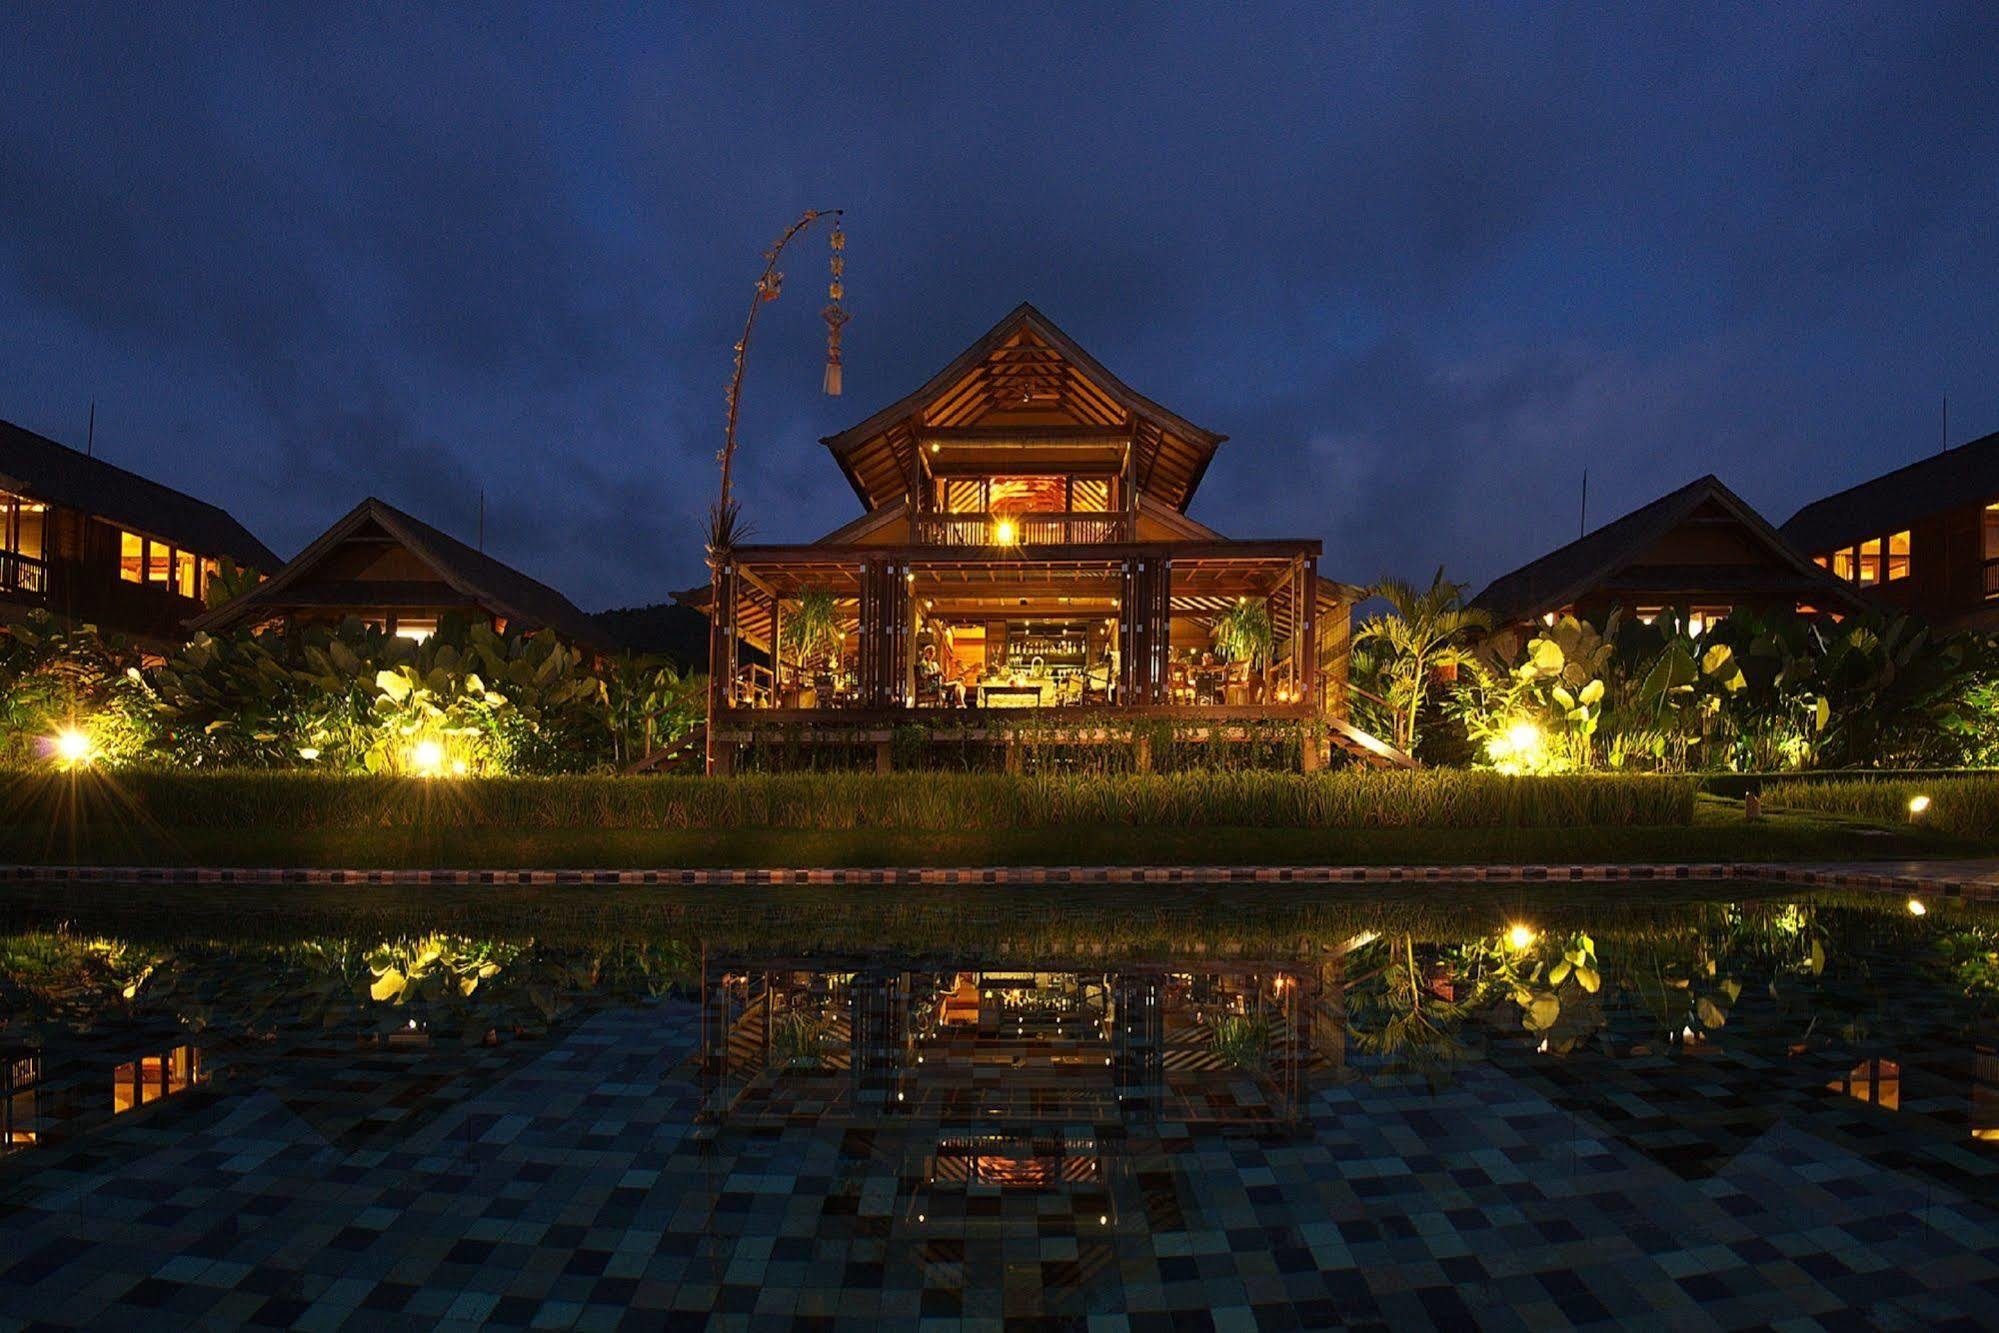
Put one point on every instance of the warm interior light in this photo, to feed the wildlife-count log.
(72, 747)
(1918, 804)
(1916, 907)
(1520, 936)
(1004, 532)
(427, 758)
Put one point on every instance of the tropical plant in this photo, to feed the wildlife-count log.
(814, 625)
(798, 1040)
(1243, 633)
(57, 679)
(226, 582)
(1429, 633)
(1240, 1041)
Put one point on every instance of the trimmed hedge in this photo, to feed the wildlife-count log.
(1348, 799)
(1967, 807)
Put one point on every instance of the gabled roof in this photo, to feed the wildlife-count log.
(1595, 560)
(478, 577)
(40, 468)
(1025, 359)
(1968, 474)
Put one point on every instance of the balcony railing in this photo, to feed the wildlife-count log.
(24, 574)
(1043, 528)
(1991, 568)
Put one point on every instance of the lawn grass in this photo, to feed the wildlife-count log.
(1717, 833)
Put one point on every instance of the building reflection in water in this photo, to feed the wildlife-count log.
(150, 1078)
(20, 1098)
(968, 1046)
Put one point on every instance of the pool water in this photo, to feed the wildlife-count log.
(1526, 1107)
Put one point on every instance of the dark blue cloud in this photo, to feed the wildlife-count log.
(1423, 267)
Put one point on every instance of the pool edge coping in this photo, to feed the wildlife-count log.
(1808, 875)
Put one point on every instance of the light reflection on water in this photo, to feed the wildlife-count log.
(935, 1078)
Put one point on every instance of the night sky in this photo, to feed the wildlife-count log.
(1422, 269)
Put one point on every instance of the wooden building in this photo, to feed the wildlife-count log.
(1025, 545)
(1701, 551)
(1923, 538)
(93, 542)
(397, 572)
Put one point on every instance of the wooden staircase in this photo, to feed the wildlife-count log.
(689, 749)
(1367, 748)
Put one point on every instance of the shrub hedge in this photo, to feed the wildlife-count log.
(1965, 806)
(1346, 799)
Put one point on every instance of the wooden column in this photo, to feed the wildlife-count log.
(1335, 638)
(721, 650)
(776, 652)
(885, 632)
(1144, 642)
(1306, 632)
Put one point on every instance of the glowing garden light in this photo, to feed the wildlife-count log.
(1520, 935)
(71, 747)
(1918, 805)
(1916, 907)
(427, 758)
(1524, 738)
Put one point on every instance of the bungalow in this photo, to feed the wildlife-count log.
(397, 572)
(1923, 538)
(1700, 550)
(1026, 546)
(91, 541)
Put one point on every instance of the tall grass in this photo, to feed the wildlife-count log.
(830, 801)
(1967, 807)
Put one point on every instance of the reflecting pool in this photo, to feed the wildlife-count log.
(1518, 1106)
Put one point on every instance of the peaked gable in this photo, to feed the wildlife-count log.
(472, 574)
(1619, 551)
(1026, 381)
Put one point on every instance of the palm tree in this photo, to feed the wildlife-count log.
(1430, 630)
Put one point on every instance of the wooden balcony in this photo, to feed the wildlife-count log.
(24, 575)
(1990, 585)
(1044, 528)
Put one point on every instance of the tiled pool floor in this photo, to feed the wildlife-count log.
(563, 1182)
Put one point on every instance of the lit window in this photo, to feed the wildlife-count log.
(131, 557)
(1898, 555)
(1702, 618)
(21, 526)
(1090, 495)
(1648, 614)
(1876, 1082)
(211, 569)
(1991, 529)
(159, 562)
(414, 628)
(154, 1076)
(1842, 564)
(1870, 562)
(186, 573)
(1013, 494)
(1822, 561)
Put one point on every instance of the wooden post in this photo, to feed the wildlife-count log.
(1144, 629)
(721, 653)
(884, 757)
(1306, 633)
